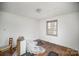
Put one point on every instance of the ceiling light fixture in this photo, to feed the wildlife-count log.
(38, 10)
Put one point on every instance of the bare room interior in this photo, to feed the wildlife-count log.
(39, 29)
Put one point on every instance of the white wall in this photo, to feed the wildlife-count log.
(13, 26)
(68, 30)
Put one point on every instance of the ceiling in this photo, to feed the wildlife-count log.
(47, 9)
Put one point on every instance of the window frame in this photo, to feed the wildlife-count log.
(52, 21)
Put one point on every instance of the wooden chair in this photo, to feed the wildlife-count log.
(10, 44)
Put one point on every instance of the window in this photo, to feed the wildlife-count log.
(52, 27)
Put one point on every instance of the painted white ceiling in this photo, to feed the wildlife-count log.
(48, 9)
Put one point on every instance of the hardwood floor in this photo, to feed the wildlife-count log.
(49, 47)
(8, 52)
(60, 50)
